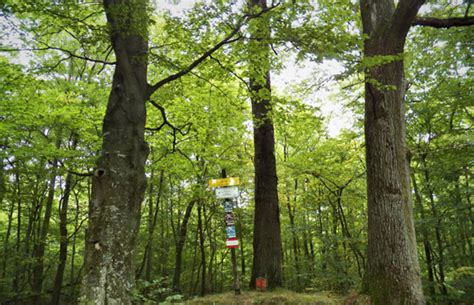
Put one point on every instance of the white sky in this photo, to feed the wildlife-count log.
(337, 116)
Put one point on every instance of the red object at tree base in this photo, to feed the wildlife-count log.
(261, 283)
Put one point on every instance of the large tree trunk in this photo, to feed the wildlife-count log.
(267, 259)
(119, 182)
(393, 272)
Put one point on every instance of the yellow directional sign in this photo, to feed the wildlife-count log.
(224, 182)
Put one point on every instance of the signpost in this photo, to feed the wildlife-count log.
(232, 242)
(226, 188)
(228, 206)
(227, 192)
(224, 182)
(230, 232)
(229, 219)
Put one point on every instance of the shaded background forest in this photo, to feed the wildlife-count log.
(52, 104)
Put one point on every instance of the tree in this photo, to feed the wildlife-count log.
(119, 181)
(393, 275)
(267, 257)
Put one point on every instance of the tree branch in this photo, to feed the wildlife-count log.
(227, 40)
(443, 23)
(230, 71)
(58, 49)
(195, 63)
(167, 123)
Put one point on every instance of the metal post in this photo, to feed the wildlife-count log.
(235, 272)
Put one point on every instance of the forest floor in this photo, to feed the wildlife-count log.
(278, 297)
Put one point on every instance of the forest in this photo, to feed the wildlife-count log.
(348, 123)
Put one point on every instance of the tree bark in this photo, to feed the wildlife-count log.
(74, 236)
(9, 225)
(58, 282)
(40, 244)
(3, 188)
(437, 227)
(393, 275)
(426, 240)
(63, 244)
(146, 264)
(180, 239)
(267, 259)
(291, 215)
(202, 249)
(152, 220)
(119, 183)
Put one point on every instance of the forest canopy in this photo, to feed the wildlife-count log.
(349, 124)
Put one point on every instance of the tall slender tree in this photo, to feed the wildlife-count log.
(267, 259)
(41, 244)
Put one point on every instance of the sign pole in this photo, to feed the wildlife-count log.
(235, 273)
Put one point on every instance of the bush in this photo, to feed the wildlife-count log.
(461, 285)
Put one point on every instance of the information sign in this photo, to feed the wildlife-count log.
(228, 206)
(232, 242)
(230, 232)
(224, 182)
(227, 192)
(229, 219)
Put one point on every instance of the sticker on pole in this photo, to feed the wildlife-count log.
(231, 232)
(224, 182)
(232, 243)
(229, 219)
(228, 206)
(227, 192)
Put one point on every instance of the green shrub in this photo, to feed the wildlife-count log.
(461, 285)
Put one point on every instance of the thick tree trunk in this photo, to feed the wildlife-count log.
(393, 275)
(119, 182)
(267, 259)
